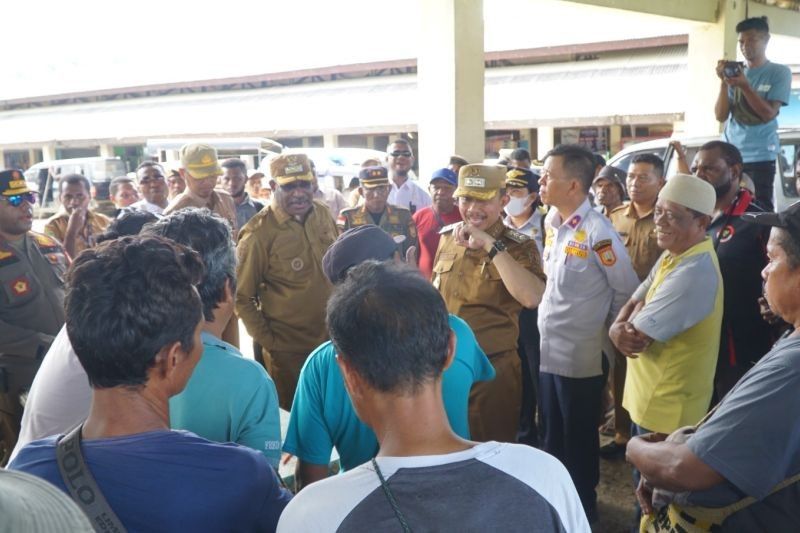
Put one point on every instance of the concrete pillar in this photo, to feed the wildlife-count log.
(615, 138)
(709, 43)
(330, 140)
(545, 141)
(106, 150)
(527, 138)
(3, 158)
(48, 152)
(371, 142)
(450, 82)
(306, 142)
(33, 157)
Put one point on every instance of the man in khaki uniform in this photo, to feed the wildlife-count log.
(396, 221)
(32, 269)
(200, 168)
(486, 274)
(75, 225)
(634, 222)
(281, 291)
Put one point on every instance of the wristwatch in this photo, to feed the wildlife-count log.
(497, 247)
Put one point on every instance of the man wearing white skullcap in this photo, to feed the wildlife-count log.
(670, 327)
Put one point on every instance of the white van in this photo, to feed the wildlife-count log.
(99, 170)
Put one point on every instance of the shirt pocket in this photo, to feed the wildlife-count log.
(19, 290)
(442, 269)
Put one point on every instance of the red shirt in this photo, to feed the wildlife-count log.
(428, 227)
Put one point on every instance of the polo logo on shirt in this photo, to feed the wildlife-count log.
(605, 252)
(574, 221)
(764, 87)
(726, 233)
(297, 264)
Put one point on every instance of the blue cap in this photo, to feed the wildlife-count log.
(447, 175)
(355, 246)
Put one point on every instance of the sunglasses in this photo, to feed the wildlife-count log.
(17, 199)
(400, 153)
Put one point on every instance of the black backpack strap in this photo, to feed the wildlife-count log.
(82, 487)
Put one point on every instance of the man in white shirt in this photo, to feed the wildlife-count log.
(153, 187)
(405, 193)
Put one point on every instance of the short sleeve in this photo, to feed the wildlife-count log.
(260, 426)
(753, 438)
(685, 297)
(781, 87)
(307, 436)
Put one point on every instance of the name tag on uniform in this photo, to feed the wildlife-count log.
(577, 249)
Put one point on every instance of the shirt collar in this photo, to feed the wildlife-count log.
(530, 223)
(209, 339)
(705, 244)
(575, 219)
(631, 212)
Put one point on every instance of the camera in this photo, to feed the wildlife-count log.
(732, 69)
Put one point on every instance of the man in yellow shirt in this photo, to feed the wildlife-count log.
(670, 327)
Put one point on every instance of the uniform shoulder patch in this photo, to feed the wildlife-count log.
(605, 252)
(44, 240)
(448, 228)
(515, 235)
(8, 257)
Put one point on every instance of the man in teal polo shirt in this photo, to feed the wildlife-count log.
(228, 398)
(322, 414)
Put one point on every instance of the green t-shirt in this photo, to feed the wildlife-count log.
(229, 399)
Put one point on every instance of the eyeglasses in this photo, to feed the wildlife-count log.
(17, 199)
(400, 153)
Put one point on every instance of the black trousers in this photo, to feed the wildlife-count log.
(570, 409)
(528, 349)
(763, 175)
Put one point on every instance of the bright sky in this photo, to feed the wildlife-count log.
(52, 46)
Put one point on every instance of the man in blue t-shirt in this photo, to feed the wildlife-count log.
(749, 101)
(134, 318)
(322, 414)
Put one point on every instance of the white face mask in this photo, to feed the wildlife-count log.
(516, 206)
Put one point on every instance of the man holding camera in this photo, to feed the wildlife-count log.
(750, 97)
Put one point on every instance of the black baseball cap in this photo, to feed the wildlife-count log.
(355, 246)
(788, 220)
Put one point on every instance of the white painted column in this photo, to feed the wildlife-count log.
(106, 150)
(545, 141)
(450, 80)
(330, 140)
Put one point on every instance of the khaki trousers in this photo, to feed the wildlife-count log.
(284, 369)
(494, 406)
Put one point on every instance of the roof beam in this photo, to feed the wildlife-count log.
(781, 21)
(695, 10)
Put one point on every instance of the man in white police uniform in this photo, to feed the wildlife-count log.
(589, 278)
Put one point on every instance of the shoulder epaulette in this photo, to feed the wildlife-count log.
(515, 235)
(448, 228)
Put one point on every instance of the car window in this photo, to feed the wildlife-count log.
(789, 168)
(625, 161)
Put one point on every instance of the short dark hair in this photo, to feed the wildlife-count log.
(126, 300)
(754, 23)
(578, 163)
(520, 154)
(730, 153)
(74, 179)
(129, 222)
(400, 141)
(148, 164)
(391, 325)
(790, 246)
(210, 236)
(234, 162)
(599, 160)
(113, 187)
(650, 159)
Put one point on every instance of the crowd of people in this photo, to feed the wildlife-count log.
(458, 346)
